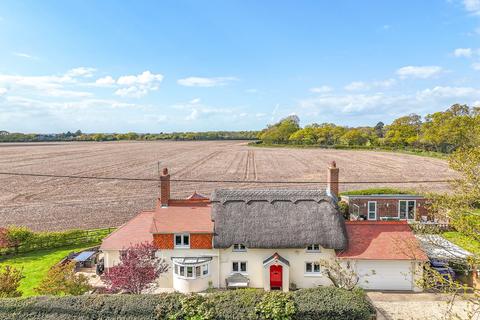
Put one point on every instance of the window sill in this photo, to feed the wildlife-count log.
(313, 275)
(316, 251)
(181, 247)
(242, 273)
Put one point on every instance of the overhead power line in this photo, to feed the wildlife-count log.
(215, 181)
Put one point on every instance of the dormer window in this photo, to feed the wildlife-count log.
(313, 248)
(182, 240)
(238, 247)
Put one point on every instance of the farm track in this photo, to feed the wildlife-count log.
(44, 203)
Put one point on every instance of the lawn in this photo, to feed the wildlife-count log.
(36, 264)
(463, 241)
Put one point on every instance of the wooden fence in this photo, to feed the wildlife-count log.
(50, 240)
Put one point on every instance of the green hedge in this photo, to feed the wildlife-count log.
(331, 303)
(318, 303)
(31, 241)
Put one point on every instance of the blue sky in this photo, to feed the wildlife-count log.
(151, 66)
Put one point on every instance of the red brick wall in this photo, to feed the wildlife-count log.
(201, 241)
(163, 241)
(386, 207)
(197, 241)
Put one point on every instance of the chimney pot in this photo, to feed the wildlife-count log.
(333, 179)
(164, 188)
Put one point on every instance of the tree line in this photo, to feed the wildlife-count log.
(78, 135)
(443, 131)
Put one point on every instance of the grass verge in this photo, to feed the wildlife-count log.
(35, 265)
(463, 241)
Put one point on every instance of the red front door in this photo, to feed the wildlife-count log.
(275, 277)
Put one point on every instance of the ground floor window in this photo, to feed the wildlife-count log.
(406, 209)
(312, 268)
(191, 267)
(239, 266)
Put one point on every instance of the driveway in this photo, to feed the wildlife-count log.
(403, 306)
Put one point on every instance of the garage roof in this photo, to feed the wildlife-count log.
(381, 240)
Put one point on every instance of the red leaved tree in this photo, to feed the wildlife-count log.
(137, 270)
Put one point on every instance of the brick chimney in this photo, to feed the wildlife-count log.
(332, 179)
(164, 188)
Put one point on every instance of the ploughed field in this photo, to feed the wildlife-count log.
(46, 203)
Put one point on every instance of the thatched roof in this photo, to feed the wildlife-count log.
(277, 219)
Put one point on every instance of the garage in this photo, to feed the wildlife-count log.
(385, 275)
(383, 254)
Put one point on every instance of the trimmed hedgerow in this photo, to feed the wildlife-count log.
(319, 303)
(331, 303)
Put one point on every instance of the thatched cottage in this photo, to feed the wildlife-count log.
(271, 239)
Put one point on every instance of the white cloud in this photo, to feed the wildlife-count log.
(321, 89)
(363, 86)
(24, 55)
(105, 81)
(51, 85)
(422, 72)
(251, 90)
(3, 91)
(86, 72)
(381, 105)
(145, 78)
(139, 85)
(356, 86)
(195, 101)
(205, 82)
(463, 52)
(472, 6)
(476, 66)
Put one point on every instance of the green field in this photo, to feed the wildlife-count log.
(35, 265)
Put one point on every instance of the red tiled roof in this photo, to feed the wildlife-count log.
(193, 218)
(133, 232)
(381, 240)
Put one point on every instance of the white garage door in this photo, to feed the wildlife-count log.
(385, 275)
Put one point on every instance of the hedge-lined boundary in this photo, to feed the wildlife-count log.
(50, 240)
(326, 303)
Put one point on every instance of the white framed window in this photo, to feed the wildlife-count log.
(182, 240)
(239, 266)
(313, 248)
(406, 209)
(312, 268)
(205, 270)
(238, 247)
(191, 272)
(372, 210)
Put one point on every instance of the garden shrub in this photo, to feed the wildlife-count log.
(10, 278)
(330, 303)
(62, 280)
(236, 304)
(276, 305)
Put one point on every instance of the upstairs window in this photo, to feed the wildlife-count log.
(238, 247)
(313, 248)
(239, 266)
(372, 210)
(182, 240)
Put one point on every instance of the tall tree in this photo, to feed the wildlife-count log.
(404, 131)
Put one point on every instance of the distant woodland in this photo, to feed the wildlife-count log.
(442, 132)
